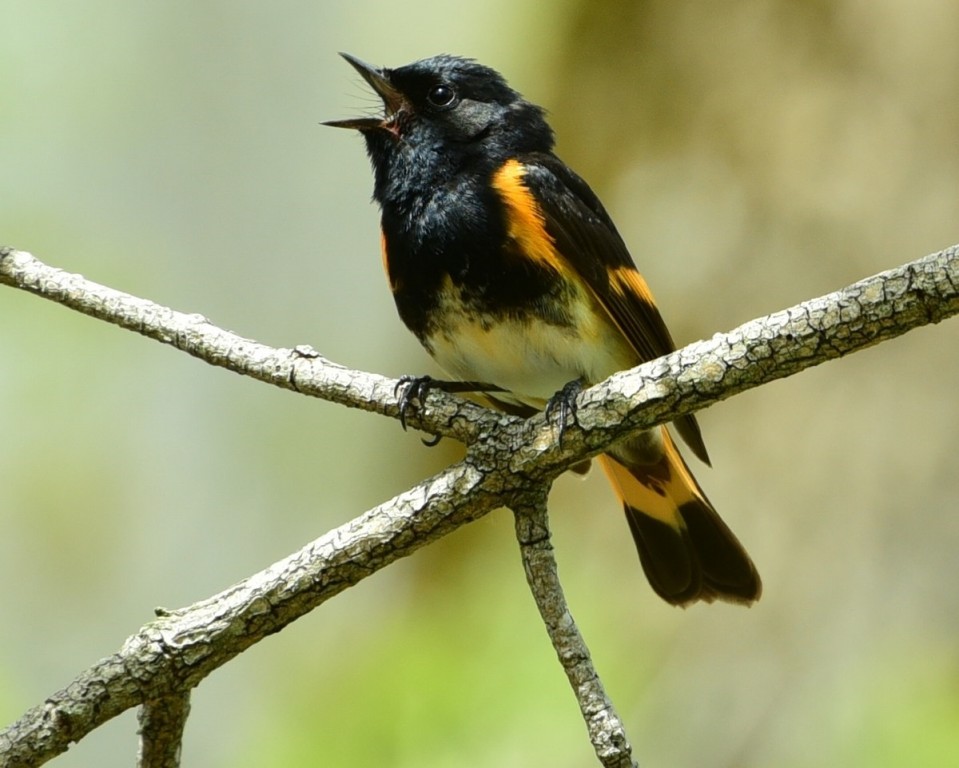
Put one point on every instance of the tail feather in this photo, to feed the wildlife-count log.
(687, 552)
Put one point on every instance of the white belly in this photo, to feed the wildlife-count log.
(531, 358)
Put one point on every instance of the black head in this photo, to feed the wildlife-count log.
(441, 114)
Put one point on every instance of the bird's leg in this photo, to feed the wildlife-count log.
(562, 405)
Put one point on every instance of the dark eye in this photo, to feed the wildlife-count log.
(441, 95)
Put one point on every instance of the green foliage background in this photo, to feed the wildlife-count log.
(753, 153)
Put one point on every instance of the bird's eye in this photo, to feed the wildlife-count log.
(441, 95)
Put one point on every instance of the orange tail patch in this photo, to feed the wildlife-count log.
(687, 552)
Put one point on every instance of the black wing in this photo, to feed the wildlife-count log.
(587, 239)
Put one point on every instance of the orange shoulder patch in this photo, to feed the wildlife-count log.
(524, 220)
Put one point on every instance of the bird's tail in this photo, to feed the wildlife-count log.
(687, 552)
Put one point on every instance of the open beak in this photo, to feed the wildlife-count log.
(392, 99)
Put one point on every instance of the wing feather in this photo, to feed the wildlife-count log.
(588, 240)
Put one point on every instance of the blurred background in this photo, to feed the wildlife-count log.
(754, 154)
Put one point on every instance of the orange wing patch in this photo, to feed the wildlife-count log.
(525, 224)
(626, 280)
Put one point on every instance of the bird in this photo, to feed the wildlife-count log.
(507, 268)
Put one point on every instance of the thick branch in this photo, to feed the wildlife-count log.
(768, 348)
(603, 724)
(175, 652)
(872, 310)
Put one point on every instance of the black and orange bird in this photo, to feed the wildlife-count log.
(508, 269)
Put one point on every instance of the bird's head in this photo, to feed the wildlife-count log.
(441, 113)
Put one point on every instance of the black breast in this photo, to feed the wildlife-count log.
(457, 238)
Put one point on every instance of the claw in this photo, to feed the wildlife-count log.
(417, 388)
(563, 405)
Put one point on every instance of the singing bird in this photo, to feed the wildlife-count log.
(508, 269)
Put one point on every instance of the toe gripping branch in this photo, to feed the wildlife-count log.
(416, 388)
(562, 407)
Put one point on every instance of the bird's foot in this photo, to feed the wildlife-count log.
(416, 388)
(562, 407)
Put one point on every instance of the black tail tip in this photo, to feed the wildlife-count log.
(703, 561)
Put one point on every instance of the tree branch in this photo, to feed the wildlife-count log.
(176, 651)
(162, 722)
(506, 458)
(603, 724)
(300, 369)
(784, 343)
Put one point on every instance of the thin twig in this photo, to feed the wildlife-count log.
(299, 368)
(161, 730)
(605, 728)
